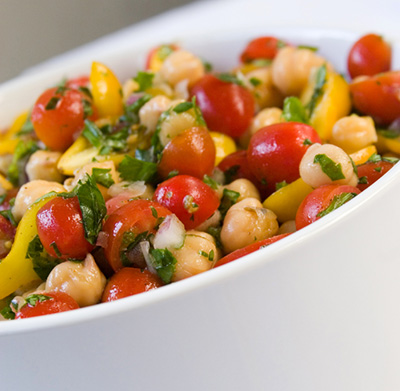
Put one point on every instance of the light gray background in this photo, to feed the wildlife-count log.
(32, 31)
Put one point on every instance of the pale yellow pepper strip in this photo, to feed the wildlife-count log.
(285, 201)
(106, 91)
(333, 104)
(224, 146)
(362, 155)
(16, 269)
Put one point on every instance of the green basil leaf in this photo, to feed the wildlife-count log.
(182, 107)
(16, 170)
(144, 79)
(164, 263)
(320, 80)
(230, 78)
(294, 111)
(33, 299)
(329, 167)
(102, 176)
(338, 201)
(132, 169)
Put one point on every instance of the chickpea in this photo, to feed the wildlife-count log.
(353, 133)
(175, 123)
(197, 255)
(138, 189)
(312, 172)
(43, 165)
(83, 281)
(265, 93)
(266, 117)
(247, 222)
(30, 192)
(287, 227)
(80, 174)
(182, 65)
(129, 87)
(245, 188)
(150, 112)
(291, 69)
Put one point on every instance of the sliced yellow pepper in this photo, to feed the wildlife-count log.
(386, 144)
(80, 153)
(106, 91)
(224, 146)
(16, 269)
(16, 126)
(362, 155)
(285, 201)
(333, 104)
(4, 183)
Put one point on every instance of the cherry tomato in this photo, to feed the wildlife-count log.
(274, 152)
(192, 152)
(60, 229)
(157, 55)
(130, 281)
(192, 201)
(78, 82)
(321, 201)
(241, 252)
(58, 116)
(264, 48)
(370, 172)
(227, 107)
(378, 96)
(7, 233)
(137, 217)
(370, 55)
(45, 304)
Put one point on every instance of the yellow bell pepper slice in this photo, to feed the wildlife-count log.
(285, 201)
(16, 269)
(362, 155)
(106, 91)
(16, 126)
(4, 183)
(333, 104)
(80, 153)
(224, 146)
(386, 144)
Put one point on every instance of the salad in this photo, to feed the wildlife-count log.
(111, 189)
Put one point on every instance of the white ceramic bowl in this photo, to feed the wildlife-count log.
(318, 310)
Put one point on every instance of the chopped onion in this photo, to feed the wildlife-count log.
(102, 239)
(171, 233)
(136, 188)
(145, 247)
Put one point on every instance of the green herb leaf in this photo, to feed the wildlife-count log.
(338, 201)
(52, 103)
(16, 170)
(144, 79)
(210, 182)
(215, 232)
(132, 169)
(164, 263)
(229, 197)
(254, 81)
(388, 133)
(42, 262)
(279, 185)
(363, 180)
(182, 107)
(294, 111)
(312, 48)
(129, 241)
(230, 78)
(27, 127)
(32, 300)
(329, 167)
(320, 80)
(102, 176)
(7, 313)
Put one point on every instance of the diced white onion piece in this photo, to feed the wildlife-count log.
(170, 234)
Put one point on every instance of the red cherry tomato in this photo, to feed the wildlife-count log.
(137, 217)
(241, 252)
(227, 107)
(58, 116)
(157, 55)
(274, 152)
(45, 304)
(60, 229)
(76, 83)
(192, 201)
(192, 152)
(261, 48)
(378, 96)
(130, 281)
(319, 200)
(7, 233)
(370, 172)
(370, 55)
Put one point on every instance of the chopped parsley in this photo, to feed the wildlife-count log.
(320, 80)
(32, 300)
(338, 201)
(230, 78)
(294, 111)
(102, 176)
(164, 263)
(229, 197)
(52, 103)
(329, 167)
(144, 79)
(133, 169)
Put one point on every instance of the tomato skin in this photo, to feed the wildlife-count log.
(59, 222)
(317, 201)
(241, 252)
(378, 96)
(58, 127)
(370, 55)
(227, 107)
(59, 302)
(130, 281)
(261, 48)
(77, 82)
(274, 152)
(190, 199)
(192, 152)
(372, 171)
(136, 216)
